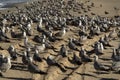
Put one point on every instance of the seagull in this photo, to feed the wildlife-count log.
(72, 45)
(116, 66)
(3, 37)
(40, 48)
(84, 57)
(115, 56)
(76, 42)
(36, 56)
(104, 42)
(39, 29)
(2, 32)
(12, 52)
(27, 44)
(25, 58)
(38, 39)
(5, 64)
(98, 48)
(52, 38)
(63, 51)
(113, 34)
(61, 33)
(33, 68)
(98, 66)
(50, 61)
(75, 60)
(18, 35)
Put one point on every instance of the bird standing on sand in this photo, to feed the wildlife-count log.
(63, 51)
(75, 60)
(33, 68)
(61, 33)
(50, 61)
(115, 56)
(72, 45)
(5, 64)
(12, 52)
(98, 66)
(83, 55)
(36, 56)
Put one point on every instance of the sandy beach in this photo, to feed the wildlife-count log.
(104, 8)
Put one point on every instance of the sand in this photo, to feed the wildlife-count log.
(84, 72)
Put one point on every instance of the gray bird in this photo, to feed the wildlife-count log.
(116, 66)
(72, 45)
(83, 55)
(18, 35)
(5, 64)
(61, 33)
(105, 42)
(25, 58)
(12, 52)
(50, 61)
(98, 66)
(115, 56)
(113, 34)
(63, 51)
(98, 48)
(75, 60)
(33, 68)
(36, 56)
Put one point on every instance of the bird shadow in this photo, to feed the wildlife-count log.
(86, 74)
(108, 79)
(18, 66)
(105, 59)
(100, 72)
(14, 78)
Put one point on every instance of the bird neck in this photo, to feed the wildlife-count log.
(8, 60)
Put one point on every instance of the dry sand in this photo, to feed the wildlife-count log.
(84, 72)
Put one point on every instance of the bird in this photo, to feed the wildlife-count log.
(38, 39)
(75, 60)
(98, 66)
(49, 46)
(84, 57)
(114, 56)
(2, 32)
(50, 61)
(5, 64)
(3, 37)
(63, 51)
(61, 33)
(116, 66)
(18, 35)
(40, 48)
(113, 34)
(36, 56)
(25, 58)
(53, 38)
(76, 42)
(104, 42)
(32, 68)
(72, 45)
(27, 44)
(12, 52)
(98, 48)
